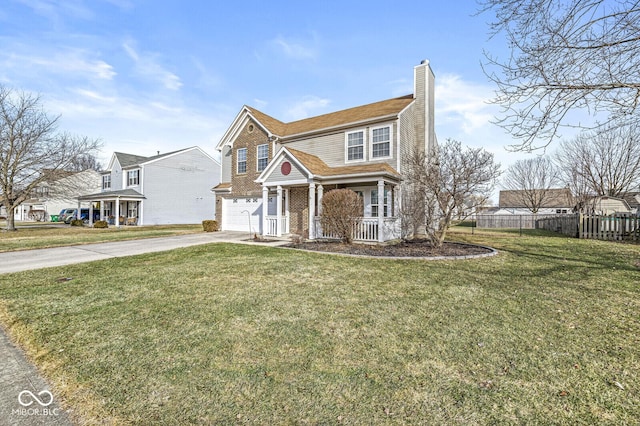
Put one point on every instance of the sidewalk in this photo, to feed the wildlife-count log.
(24, 395)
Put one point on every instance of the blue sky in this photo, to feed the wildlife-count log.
(146, 76)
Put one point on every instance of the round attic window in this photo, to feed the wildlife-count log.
(250, 128)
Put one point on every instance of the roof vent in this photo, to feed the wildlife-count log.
(424, 61)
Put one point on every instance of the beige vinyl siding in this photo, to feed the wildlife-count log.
(330, 148)
(295, 174)
(227, 160)
(407, 135)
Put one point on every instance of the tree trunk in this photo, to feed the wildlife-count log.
(11, 220)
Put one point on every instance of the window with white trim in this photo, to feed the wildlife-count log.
(133, 177)
(375, 206)
(241, 160)
(381, 142)
(106, 182)
(355, 146)
(263, 156)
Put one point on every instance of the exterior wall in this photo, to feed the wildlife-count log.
(178, 189)
(408, 138)
(226, 159)
(299, 211)
(244, 184)
(330, 148)
(277, 176)
(117, 181)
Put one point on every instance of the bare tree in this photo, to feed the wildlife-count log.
(445, 180)
(31, 149)
(565, 56)
(602, 162)
(341, 209)
(85, 162)
(532, 181)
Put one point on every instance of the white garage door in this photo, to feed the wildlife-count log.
(237, 212)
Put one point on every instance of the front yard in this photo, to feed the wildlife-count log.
(546, 332)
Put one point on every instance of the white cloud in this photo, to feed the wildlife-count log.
(304, 107)
(78, 62)
(296, 49)
(147, 65)
(54, 9)
(463, 103)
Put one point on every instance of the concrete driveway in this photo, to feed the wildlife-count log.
(44, 258)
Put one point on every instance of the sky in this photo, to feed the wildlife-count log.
(144, 76)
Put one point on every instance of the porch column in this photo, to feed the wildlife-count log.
(396, 201)
(312, 211)
(117, 221)
(320, 194)
(265, 209)
(102, 210)
(78, 211)
(90, 213)
(279, 212)
(140, 220)
(380, 210)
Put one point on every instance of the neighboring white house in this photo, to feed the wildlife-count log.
(274, 174)
(50, 197)
(171, 188)
(604, 205)
(633, 200)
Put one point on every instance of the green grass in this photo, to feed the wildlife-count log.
(34, 237)
(547, 332)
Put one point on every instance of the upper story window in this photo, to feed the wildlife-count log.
(133, 177)
(355, 145)
(263, 156)
(381, 142)
(106, 182)
(242, 160)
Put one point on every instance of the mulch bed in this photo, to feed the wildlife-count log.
(412, 248)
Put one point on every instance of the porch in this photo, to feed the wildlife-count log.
(118, 208)
(379, 223)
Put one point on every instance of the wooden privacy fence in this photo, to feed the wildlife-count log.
(521, 221)
(617, 227)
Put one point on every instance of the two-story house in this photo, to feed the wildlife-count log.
(171, 188)
(274, 174)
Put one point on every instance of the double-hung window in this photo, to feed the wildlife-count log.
(381, 142)
(375, 207)
(263, 156)
(133, 177)
(242, 160)
(355, 146)
(106, 182)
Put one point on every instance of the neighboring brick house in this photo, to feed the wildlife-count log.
(274, 174)
(171, 188)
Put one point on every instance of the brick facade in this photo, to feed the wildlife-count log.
(244, 184)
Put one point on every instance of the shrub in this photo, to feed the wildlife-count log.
(341, 209)
(210, 225)
(76, 222)
(101, 224)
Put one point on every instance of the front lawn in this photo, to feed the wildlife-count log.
(546, 332)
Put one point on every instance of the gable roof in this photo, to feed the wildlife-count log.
(131, 160)
(389, 108)
(632, 198)
(386, 108)
(556, 197)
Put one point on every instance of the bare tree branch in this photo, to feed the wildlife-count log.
(565, 56)
(31, 150)
(532, 180)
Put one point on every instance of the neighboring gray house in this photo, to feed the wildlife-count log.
(171, 188)
(274, 174)
(556, 201)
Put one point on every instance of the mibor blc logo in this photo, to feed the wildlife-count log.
(35, 405)
(26, 398)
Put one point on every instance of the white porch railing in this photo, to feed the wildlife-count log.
(366, 229)
(272, 224)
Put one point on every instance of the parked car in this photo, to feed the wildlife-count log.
(67, 215)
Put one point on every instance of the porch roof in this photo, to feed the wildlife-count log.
(123, 194)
